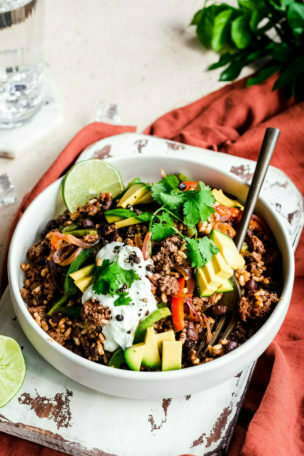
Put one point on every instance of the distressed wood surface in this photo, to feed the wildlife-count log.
(53, 410)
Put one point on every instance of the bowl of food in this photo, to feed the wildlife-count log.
(121, 290)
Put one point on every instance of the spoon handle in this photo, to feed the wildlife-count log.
(269, 142)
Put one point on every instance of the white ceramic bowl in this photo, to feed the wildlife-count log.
(147, 385)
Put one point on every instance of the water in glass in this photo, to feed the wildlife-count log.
(21, 64)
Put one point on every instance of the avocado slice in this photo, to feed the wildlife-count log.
(172, 355)
(151, 356)
(228, 249)
(227, 285)
(221, 267)
(212, 279)
(83, 272)
(134, 356)
(205, 289)
(163, 336)
(84, 283)
(222, 199)
(132, 195)
(154, 317)
(113, 218)
(128, 222)
(145, 199)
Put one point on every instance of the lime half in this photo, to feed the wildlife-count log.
(87, 179)
(12, 369)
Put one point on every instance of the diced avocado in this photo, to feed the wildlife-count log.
(221, 267)
(172, 355)
(113, 218)
(226, 286)
(204, 288)
(212, 279)
(117, 359)
(134, 356)
(161, 337)
(84, 283)
(145, 199)
(222, 199)
(228, 249)
(155, 316)
(83, 272)
(128, 222)
(132, 195)
(151, 356)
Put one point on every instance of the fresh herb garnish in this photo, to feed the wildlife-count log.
(192, 206)
(270, 32)
(200, 251)
(164, 228)
(198, 205)
(123, 299)
(110, 277)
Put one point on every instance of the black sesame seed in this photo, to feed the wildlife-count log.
(119, 317)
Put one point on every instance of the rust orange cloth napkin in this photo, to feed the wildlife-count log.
(231, 120)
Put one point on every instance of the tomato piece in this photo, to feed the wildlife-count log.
(228, 213)
(190, 185)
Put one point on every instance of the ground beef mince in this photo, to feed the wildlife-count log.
(95, 314)
(165, 283)
(169, 255)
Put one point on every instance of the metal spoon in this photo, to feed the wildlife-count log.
(231, 298)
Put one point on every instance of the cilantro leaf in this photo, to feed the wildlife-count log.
(207, 248)
(167, 193)
(200, 251)
(199, 205)
(123, 299)
(109, 277)
(193, 253)
(164, 228)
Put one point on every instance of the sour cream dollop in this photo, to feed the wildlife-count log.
(120, 332)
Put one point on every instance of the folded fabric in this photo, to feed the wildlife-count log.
(232, 120)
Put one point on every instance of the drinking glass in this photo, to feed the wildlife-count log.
(21, 60)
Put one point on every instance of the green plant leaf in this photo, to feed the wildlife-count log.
(221, 29)
(291, 73)
(206, 19)
(255, 19)
(197, 17)
(263, 74)
(223, 61)
(240, 32)
(232, 71)
(295, 18)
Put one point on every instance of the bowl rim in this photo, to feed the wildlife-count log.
(206, 368)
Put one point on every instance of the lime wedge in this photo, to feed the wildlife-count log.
(87, 179)
(12, 369)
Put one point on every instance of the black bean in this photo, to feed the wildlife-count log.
(218, 310)
(61, 219)
(119, 317)
(191, 334)
(87, 223)
(251, 285)
(232, 345)
(182, 186)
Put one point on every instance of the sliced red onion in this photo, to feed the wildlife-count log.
(189, 303)
(146, 246)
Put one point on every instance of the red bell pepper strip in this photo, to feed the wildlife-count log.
(177, 306)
